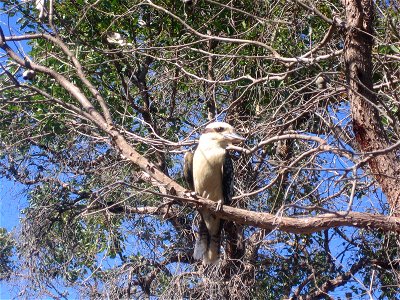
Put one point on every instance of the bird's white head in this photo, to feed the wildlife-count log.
(221, 133)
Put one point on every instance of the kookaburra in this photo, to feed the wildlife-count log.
(209, 171)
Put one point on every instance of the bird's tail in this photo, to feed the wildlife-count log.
(212, 254)
(207, 246)
(207, 249)
(200, 248)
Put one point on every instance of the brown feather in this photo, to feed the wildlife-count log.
(188, 169)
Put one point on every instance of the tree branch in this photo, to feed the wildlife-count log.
(332, 284)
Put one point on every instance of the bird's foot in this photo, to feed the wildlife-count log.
(191, 194)
(220, 204)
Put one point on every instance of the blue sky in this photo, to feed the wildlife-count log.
(12, 197)
(12, 200)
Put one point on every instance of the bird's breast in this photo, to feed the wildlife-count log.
(207, 173)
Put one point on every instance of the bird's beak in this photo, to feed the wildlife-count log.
(234, 137)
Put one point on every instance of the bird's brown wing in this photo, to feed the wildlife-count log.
(188, 169)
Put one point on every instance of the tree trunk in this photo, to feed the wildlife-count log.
(367, 127)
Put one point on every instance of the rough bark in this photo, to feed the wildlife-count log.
(367, 127)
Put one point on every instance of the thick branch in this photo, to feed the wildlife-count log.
(82, 76)
(307, 224)
(55, 75)
(368, 129)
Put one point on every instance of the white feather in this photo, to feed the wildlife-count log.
(200, 249)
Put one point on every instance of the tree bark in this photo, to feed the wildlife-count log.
(368, 130)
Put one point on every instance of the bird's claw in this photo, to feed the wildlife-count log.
(191, 194)
(219, 205)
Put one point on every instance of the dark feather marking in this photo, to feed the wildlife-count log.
(227, 179)
(208, 130)
(203, 231)
(188, 169)
(227, 186)
(234, 235)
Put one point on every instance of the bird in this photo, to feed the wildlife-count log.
(322, 82)
(41, 7)
(209, 172)
(28, 75)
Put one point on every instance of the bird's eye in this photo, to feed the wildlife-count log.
(220, 129)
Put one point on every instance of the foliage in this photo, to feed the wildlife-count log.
(6, 246)
(98, 225)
